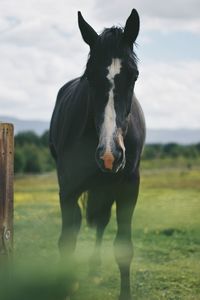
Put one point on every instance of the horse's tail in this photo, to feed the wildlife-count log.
(98, 209)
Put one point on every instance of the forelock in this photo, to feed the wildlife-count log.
(110, 45)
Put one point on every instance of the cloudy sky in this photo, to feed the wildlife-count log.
(41, 49)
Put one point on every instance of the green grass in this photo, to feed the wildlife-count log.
(166, 234)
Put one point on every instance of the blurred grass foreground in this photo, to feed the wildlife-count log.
(166, 235)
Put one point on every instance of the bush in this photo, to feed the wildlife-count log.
(19, 161)
(32, 153)
(33, 162)
(27, 137)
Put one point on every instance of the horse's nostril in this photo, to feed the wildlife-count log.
(110, 160)
(104, 158)
(99, 151)
(119, 154)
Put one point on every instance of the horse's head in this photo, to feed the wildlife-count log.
(111, 72)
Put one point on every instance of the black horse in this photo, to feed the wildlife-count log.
(97, 134)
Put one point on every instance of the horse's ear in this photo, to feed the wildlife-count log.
(88, 33)
(132, 27)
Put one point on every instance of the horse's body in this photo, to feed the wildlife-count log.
(76, 133)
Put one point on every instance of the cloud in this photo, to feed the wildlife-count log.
(41, 49)
(169, 94)
(34, 75)
(157, 15)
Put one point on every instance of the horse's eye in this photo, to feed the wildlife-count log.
(133, 76)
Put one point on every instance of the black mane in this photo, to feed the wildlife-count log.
(110, 40)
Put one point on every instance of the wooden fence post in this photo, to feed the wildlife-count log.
(6, 190)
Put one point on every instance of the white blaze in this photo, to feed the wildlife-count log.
(109, 123)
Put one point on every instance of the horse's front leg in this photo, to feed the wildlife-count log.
(98, 215)
(123, 241)
(71, 222)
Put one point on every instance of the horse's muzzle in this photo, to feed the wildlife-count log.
(110, 160)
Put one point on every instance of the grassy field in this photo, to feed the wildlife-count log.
(166, 238)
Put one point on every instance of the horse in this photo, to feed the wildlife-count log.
(97, 133)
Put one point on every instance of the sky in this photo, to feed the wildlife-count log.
(41, 49)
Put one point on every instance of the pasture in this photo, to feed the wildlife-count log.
(166, 234)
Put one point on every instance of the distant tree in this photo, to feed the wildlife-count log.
(19, 160)
(48, 163)
(190, 151)
(33, 163)
(27, 137)
(44, 139)
(32, 153)
(149, 152)
(198, 147)
(152, 151)
(172, 150)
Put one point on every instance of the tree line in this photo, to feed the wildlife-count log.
(171, 150)
(32, 153)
